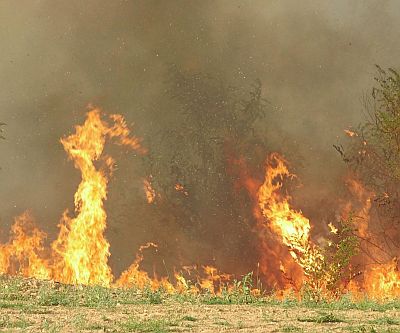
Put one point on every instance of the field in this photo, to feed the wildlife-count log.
(28, 305)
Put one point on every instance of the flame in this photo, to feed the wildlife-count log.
(364, 198)
(179, 187)
(81, 243)
(149, 191)
(80, 253)
(382, 281)
(23, 253)
(212, 281)
(332, 228)
(350, 133)
(134, 277)
(290, 225)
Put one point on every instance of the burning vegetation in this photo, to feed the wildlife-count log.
(228, 177)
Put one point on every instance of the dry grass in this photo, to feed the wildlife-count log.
(28, 305)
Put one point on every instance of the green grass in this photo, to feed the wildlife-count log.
(154, 326)
(49, 326)
(291, 328)
(29, 295)
(322, 318)
(52, 297)
(98, 297)
(371, 329)
(8, 322)
(385, 321)
(223, 323)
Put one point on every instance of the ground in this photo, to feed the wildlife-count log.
(195, 318)
(33, 306)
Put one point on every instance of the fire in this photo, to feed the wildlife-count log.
(81, 244)
(180, 188)
(134, 277)
(149, 191)
(383, 280)
(290, 225)
(364, 199)
(332, 228)
(23, 253)
(80, 253)
(379, 282)
(350, 133)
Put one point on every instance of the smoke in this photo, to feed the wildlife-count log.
(315, 61)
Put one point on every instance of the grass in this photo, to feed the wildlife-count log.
(322, 318)
(371, 329)
(222, 323)
(36, 306)
(156, 326)
(8, 322)
(16, 292)
(385, 321)
(291, 328)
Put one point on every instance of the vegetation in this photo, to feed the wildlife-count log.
(197, 153)
(375, 149)
(2, 130)
(32, 306)
(326, 274)
(373, 153)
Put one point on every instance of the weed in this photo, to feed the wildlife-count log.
(50, 326)
(96, 296)
(7, 322)
(291, 328)
(385, 321)
(361, 329)
(223, 323)
(154, 326)
(49, 297)
(322, 318)
(153, 296)
(10, 305)
(79, 321)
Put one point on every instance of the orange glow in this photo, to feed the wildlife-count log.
(350, 133)
(290, 225)
(81, 246)
(80, 253)
(180, 188)
(149, 191)
(364, 199)
(134, 277)
(379, 282)
(23, 253)
(383, 281)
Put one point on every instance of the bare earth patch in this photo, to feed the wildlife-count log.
(176, 317)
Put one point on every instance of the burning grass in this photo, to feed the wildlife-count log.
(36, 305)
(78, 258)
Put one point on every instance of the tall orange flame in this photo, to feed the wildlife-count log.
(80, 253)
(290, 225)
(81, 243)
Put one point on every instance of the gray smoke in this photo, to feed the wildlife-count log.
(315, 60)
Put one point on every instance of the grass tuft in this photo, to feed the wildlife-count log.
(322, 318)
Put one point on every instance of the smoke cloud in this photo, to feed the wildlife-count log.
(315, 61)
